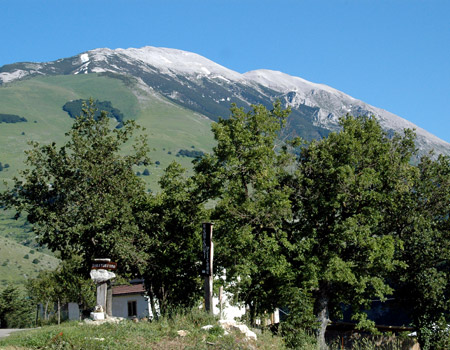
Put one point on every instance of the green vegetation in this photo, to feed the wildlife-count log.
(310, 225)
(343, 223)
(85, 189)
(11, 257)
(161, 334)
(174, 250)
(16, 310)
(75, 108)
(190, 153)
(11, 118)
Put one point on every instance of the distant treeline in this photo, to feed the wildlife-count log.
(11, 118)
(190, 153)
(74, 108)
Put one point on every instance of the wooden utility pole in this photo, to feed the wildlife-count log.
(207, 268)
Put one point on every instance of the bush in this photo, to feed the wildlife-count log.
(189, 153)
(26, 256)
(15, 310)
(296, 330)
(11, 118)
(35, 261)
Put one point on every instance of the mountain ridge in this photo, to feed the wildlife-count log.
(208, 88)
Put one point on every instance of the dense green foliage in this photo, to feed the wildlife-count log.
(346, 187)
(242, 175)
(342, 224)
(310, 226)
(11, 118)
(65, 284)
(190, 153)
(75, 108)
(15, 309)
(83, 198)
(423, 286)
(174, 251)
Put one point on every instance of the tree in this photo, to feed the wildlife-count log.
(174, 251)
(423, 223)
(83, 198)
(15, 310)
(242, 176)
(345, 190)
(65, 284)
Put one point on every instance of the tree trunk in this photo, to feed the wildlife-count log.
(59, 312)
(252, 307)
(152, 302)
(46, 311)
(322, 318)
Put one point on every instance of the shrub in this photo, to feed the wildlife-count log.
(11, 118)
(190, 153)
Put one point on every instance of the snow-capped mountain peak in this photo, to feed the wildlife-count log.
(204, 86)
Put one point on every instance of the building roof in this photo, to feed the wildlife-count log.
(129, 289)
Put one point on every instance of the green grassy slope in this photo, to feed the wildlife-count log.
(169, 128)
(40, 101)
(19, 262)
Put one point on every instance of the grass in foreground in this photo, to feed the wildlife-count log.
(160, 334)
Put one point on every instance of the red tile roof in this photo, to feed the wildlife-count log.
(133, 289)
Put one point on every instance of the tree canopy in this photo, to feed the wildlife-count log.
(242, 175)
(174, 249)
(83, 198)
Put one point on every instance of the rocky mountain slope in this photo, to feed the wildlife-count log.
(208, 88)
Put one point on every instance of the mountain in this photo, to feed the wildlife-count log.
(205, 87)
(173, 94)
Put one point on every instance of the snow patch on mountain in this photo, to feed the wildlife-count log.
(178, 62)
(7, 77)
(84, 57)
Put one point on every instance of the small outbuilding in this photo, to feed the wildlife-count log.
(130, 301)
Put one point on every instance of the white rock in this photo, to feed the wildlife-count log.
(244, 330)
(99, 276)
(208, 327)
(97, 316)
(182, 333)
(231, 324)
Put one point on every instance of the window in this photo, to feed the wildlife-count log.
(132, 308)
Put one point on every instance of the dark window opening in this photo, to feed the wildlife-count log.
(132, 308)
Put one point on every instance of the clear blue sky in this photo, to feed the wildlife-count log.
(394, 54)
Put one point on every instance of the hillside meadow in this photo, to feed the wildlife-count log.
(169, 129)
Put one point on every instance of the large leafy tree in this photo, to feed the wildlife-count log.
(83, 198)
(243, 176)
(423, 224)
(346, 187)
(174, 249)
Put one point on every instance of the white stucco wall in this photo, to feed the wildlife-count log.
(120, 305)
